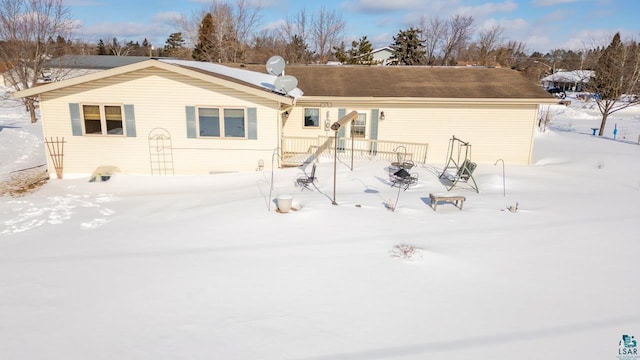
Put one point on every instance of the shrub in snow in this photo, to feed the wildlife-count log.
(405, 251)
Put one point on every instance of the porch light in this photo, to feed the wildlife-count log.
(381, 115)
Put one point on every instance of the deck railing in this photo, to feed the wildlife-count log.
(298, 150)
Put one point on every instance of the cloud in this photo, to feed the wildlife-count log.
(518, 24)
(554, 17)
(382, 6)
(85, 3)
(252, 3)
(127, 31)
(274, 25)
(552, 2)
(588, 38)
(167, 17)
(488, 9)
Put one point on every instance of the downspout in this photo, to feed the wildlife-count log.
(534, 128)
(283, 115)
(279, 127)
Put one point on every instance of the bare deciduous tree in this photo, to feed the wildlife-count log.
(326, 31)
(617, 74)
(264, 45)
(233, 26)
(488, 40)
(117, 48)
(458, 31)
(297, 26)
(25, 26)
(511, 53)
(433, 31)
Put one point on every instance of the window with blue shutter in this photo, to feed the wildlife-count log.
(191, 121)
(252, 123)
(130, 120)
(374, 130)
(76, 119)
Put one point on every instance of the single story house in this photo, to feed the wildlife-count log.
(162, 116)
(568, 80)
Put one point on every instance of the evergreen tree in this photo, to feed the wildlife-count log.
(204, 49)
(408, 48)
(364, 54)
(174, 46)
(297, 51)
(360, 52)
(340, 53)
(147, 48)
(100, 48)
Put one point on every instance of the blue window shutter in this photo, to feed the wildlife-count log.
(76, 119)
(252, 123)
(374, 130)
(341, 113)
(130, 120)
(191, 121)
(374, 124)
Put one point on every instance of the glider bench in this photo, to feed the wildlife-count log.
(456, 200)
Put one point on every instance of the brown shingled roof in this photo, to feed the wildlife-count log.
(412, 81)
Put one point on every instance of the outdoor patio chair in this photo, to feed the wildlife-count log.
(402, 178)
(464, 174)
(305, 180)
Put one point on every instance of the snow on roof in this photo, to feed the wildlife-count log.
(255, 78)
(386, 48)
(574, 76)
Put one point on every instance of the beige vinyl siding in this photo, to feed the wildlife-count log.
(294, 124)
(159, 98)
(494, 131)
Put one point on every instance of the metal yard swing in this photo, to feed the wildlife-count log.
(464, 167)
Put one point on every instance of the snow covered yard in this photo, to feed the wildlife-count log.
(143, 267)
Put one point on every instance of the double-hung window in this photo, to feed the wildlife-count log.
(222, 122)
(311, 117)
(103, 119)
(359, 126)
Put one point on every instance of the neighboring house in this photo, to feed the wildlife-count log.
(382, 55)
(568, 80)
(186, 117)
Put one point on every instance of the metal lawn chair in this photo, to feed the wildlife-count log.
(305, 180)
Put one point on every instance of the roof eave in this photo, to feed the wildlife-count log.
(147, 64)
(421, 100)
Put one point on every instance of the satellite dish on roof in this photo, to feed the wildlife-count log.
(275, 65)
(286, 83)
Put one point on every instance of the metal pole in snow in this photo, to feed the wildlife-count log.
(504, 189)
(335, 161)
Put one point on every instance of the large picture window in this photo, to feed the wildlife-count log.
(232, 125)
(311, 117)
(103, 119)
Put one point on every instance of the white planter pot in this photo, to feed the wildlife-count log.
(284, 203)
